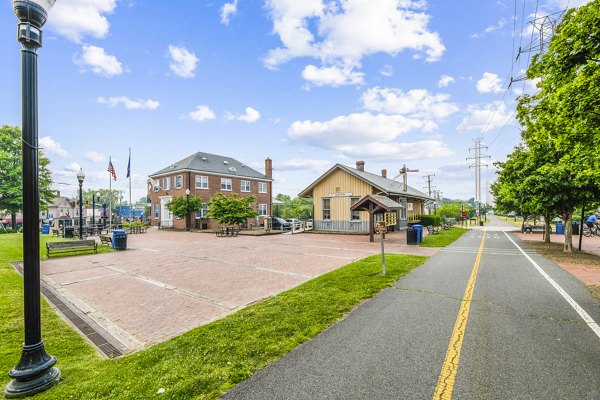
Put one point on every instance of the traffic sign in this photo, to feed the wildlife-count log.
(380, 227)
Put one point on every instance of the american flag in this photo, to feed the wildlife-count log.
(111, 169)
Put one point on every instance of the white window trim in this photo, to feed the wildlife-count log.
(265, 207)
(230, 184)
(177, 185)
(242, 189)
(323, 208)
(261, 185)
(166, 183)
(200, 181)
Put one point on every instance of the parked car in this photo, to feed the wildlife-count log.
(281, 224)
(511, 214)
(295, 223)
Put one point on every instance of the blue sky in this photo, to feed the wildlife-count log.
(307, 83)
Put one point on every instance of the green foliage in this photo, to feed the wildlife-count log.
(453, 210)
(182, 206)
(300, 208)
(7, 230)
(443, 238)
(232, 210)
(434, 220)
(11, 184)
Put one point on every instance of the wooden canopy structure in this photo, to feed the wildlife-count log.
(375, 204)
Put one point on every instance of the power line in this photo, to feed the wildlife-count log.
(477, 165)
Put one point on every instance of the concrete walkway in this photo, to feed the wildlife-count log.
(168, 282)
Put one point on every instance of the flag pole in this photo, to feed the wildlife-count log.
(129, 175)
(109, 197)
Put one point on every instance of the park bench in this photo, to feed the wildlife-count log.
(107, 240)
(55, 232)
(431, 229)
(75, 245)
(227, 231)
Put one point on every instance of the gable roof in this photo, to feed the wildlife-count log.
(383, 203)
(211, 163)
(388, 186)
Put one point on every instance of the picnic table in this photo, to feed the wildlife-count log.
(227, 231)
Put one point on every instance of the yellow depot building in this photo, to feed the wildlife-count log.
(338, 189)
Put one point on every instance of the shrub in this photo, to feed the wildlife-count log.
(7, 230)
(434, 220)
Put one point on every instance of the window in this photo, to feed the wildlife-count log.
(166, 183)
(354, 215)
(262, 187)
(262, 209)
(155, 185)
(326, 209)
(245, 186)
(225, 184)
(202, 212)
(201, 182)
(156, 211)
(178, 181)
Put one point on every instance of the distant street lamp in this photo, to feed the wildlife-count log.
(80, 178)
(187, 209)
(35, 371)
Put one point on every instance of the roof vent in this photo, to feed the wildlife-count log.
(225, 162)
(232, 169)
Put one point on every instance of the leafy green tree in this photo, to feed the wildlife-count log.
(11, 184)
(561, 121)
(182, 207)
(232, 210)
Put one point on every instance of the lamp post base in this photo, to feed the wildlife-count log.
(34, 373)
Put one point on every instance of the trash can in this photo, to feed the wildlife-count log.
(480, 223)
(575, 228)
(412, 236)
(69, 232)
(419, 229)
(119, 239)
(45, 229)
(560, 229)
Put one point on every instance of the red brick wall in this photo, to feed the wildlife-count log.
(214, 186)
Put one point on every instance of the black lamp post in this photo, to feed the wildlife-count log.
(35, 371)
(94, 196)
(187, 209)
(80, 178)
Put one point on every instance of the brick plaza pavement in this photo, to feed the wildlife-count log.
(169, 282)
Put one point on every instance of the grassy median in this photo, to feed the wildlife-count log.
(443, 238)
(205, 361)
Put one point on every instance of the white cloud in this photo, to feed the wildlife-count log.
(490, 83)
(445, 81)
(355, 130)
(303, 164)
(393, 151)
(98, 61)
(72, 167)
(183, 63)
(51, 146)
(76, 18)
(332, 76)
(202, 113)
(417, 103)
(251, 115)
(499, 25)
(94, 156)
(340, 34)
(137, 104)
(227, 11)
(486, 118)
(387, 70)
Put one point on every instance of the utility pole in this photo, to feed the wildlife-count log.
(477, 165)
(429, 187)
(404, 172)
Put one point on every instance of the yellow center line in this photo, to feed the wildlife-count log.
(445, 385)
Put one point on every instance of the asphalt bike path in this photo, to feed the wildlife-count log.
(479, 320)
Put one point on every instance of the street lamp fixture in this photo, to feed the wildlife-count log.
(187, 207)
(35, 371)
(80, 178)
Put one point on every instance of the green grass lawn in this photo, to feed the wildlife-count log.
(205, 361)
(443, 238)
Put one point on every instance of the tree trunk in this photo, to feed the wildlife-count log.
(548, 230)
(13, 221)
(568, 234)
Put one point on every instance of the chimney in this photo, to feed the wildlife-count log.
(360, 165)
(384, 173)
(269, 168)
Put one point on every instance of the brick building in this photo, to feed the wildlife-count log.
(204, 175)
